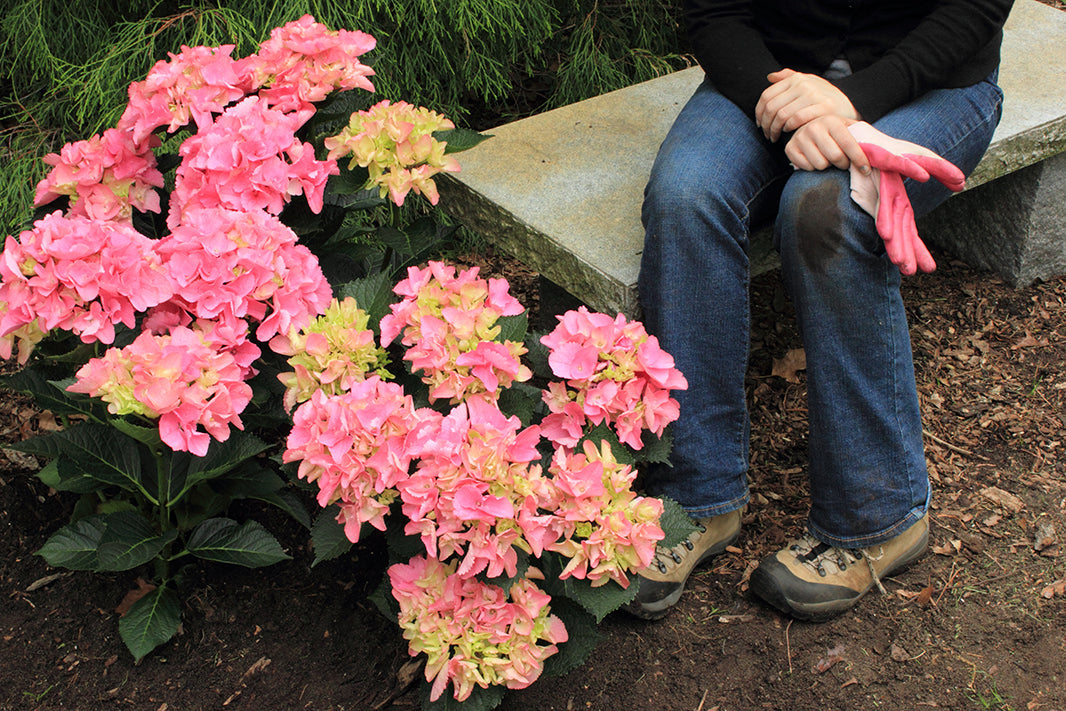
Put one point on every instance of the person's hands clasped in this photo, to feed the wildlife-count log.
(881, 192)
(794, 98)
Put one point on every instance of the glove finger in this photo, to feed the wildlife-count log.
(888, 228)
(942, 169)
(904, 217)
(923, 259)
(884, 159)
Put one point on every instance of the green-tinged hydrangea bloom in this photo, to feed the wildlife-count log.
(334, 351)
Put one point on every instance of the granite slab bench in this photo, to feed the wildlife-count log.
(561, 191)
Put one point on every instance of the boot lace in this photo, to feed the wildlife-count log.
(826, 560)
(667, 558)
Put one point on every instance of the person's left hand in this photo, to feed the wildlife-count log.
(793, 99)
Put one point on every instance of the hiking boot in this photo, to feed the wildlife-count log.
(662, 582)
(811, 580)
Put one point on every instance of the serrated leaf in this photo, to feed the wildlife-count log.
(252, 481)
(63, 475)
(96, 450)
(327, 537)
(373, 294)
(222, 457)
(460, 139)
(599, 601)
(513, 328)
(145, 435)
(129, 541)
(223, 540)
(520, 399)
(52, 394)
(150, 622)
(582, 637)
(74, 546)
(677, 525)
(479, 700)
(656, 450)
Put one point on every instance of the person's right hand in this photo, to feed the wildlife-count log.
(884, 197)
(824, 142)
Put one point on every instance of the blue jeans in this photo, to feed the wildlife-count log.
(714, 179)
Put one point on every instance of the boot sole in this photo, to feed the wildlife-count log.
(763, 586)
(658, 609)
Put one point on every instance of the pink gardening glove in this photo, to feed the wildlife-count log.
(882, 195)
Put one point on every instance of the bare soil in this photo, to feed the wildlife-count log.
(980, 623)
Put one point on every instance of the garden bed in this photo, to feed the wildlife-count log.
(979, 623)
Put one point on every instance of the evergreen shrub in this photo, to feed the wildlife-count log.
(64, 67)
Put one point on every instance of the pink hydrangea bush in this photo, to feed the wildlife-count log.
(474, 484)
(473, 634)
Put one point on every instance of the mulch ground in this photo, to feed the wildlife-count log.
(980, 623)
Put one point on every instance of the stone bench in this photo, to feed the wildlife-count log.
(561, 191)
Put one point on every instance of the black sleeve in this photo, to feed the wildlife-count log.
(729, 48)
(956, 44)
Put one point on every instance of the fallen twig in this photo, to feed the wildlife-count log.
(953, 447)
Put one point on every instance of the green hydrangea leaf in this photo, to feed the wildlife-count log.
(223, 540)
(150, 622)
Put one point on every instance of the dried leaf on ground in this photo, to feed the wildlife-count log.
(1057, 588)
(143, 588)
(1003, 499)
(790, 364)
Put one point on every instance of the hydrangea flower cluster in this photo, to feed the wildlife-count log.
(606, 529)
(473, 489)
(229, 264)
(331, 354)
(395, 143)
(106, 177)
(357, 447)
(303, 62)
(81, 275)
(613, 372)
(181, 378)
(473, 633)
(450, 324)
(189, 86)
(248, 159)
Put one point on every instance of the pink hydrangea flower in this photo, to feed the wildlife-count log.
(449, 323)
(191, 85)
(473, 633)
(105, 177)
(180, 378)
(229, 265)
(613, 372)
(304, 61)
(472, 484)
(248, 159)
(80, 275)
(395, 143)
(605, 529)
(357, 446)
(331, 353)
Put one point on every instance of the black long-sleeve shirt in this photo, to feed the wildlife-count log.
(897, 49)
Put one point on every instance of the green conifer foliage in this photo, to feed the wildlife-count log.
(65, 66)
